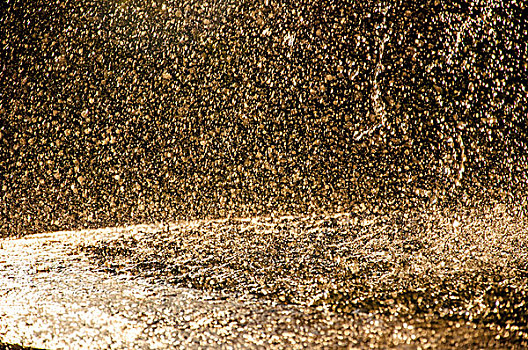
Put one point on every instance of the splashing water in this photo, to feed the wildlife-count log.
(377, 151)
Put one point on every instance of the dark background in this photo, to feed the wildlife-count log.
(115, 112)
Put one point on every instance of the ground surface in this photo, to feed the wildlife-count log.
(432, 279)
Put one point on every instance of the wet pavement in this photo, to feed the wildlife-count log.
(356, 280)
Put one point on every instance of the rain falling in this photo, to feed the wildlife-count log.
(114, 112)
(128, 112)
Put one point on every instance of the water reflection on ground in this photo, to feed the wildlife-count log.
(416, 279)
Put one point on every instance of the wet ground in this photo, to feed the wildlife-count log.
(431, 279)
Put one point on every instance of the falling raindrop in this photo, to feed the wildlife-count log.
(239, 108)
